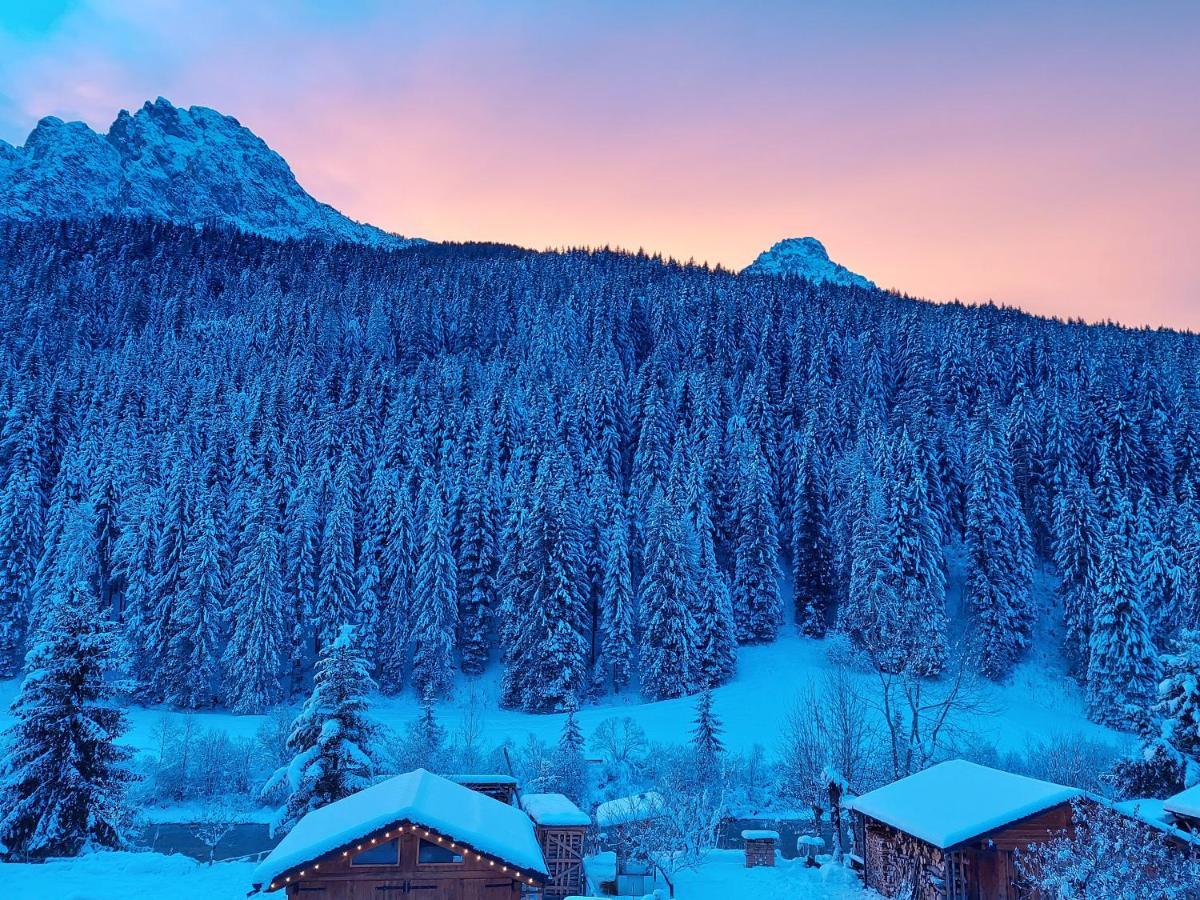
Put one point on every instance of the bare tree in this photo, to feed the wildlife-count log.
(216, 820)
(828, 730)
(923, 716)
(621, 739)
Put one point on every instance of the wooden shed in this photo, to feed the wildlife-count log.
(1183, 810)
(951, 832)
(418, 835)
(561, 828)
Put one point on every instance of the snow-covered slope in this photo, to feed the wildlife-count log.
(804, 257)
(185, 165)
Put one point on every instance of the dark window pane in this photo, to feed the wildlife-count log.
(380, 855)
(436, 853)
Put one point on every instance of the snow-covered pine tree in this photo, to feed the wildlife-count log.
(399, 557)
(192, 667)
(668, 629)
(916, 558)
(1179, 696)
(301, 548)
(999, 563)
(254, 657)
(755, 594)
(477, 565)
(706, 736)
(812, 555)
(331, 739)
(570, 767)
(21, 503)
(63, 779)
(551, 664)
(870, 615)
(1161, 577)
(336, 601)
(1076, 545)
(1122, 665)
(134, 559)
(618, 642)
(716, 634)
(435, 599)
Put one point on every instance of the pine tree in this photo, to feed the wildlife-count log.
(616, 602)
(756, 604)
(435, 601)
(134, 560)
(1161, 577)
(1076, 543)
(916, 558)
(331, 739)
(63, 782)
(716, 633)
(812, 555)
(20, 543)
(192, 665)
(1179, 696)
(570, 767)
(871, 615)
(1122, 665)
(706, 737)
(336, 602)
(254, 656)
(668, 629)
(550, 664)
(477, 569)
(399, 553)
(999, 572)
(301, 549)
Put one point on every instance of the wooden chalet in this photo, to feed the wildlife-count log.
(951, 832)
(417, 835)
(561, 828)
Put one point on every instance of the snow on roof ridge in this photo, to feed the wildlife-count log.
(957, 800)
(421, 797)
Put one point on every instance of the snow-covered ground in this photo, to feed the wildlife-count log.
(723, 876)
(131, 876)
(1038, 701)
(125, 876)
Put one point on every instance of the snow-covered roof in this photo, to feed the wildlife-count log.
(482, 822)
(554, 809)
(759, 834)
(623, 810)
(958, 800)
(1185, 803)
(483, 779)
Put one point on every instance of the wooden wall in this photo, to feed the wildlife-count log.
(336, 877)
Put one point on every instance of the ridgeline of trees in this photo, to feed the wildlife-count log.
(585, 467)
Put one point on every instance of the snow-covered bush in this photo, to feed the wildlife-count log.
(1111, 855)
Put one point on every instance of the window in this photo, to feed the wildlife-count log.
(386, 854)
(430, 852)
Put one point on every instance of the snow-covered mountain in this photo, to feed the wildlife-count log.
(804, 257)
(190, 165)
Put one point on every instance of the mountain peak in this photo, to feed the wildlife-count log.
(804, 257)
(189, 165)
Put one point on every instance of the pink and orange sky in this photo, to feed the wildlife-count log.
(1045, 155)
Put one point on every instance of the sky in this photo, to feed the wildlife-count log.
(1042, 155)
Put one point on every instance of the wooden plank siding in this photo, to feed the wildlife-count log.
(982, 868)
(335, 876)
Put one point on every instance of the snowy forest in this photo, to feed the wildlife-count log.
(599, 471)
